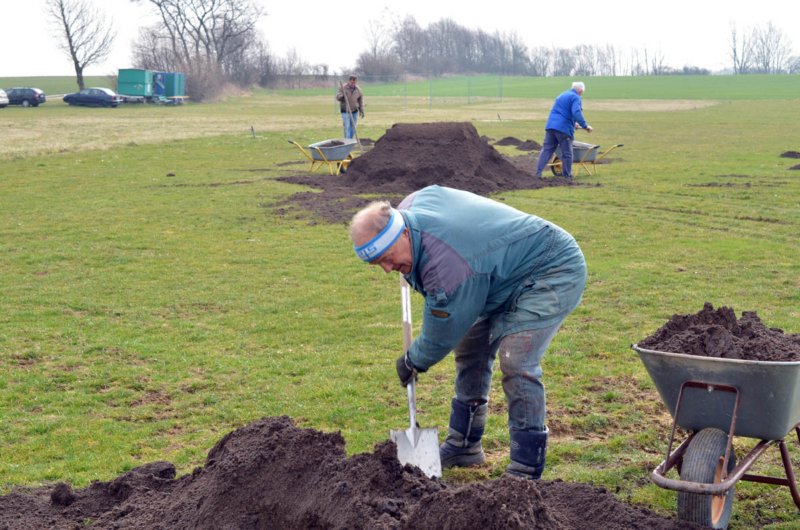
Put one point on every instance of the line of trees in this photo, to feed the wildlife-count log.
(216, 43)
(446, 47)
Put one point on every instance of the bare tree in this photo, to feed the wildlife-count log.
(203, 31)
(585, 60)
(794, 64)
(408, 45)
(519, 56)
(84, 33)
(541, 58)
(212, 41)
(379, 61)
(771, 50)
(657, 64)
(563, 62)
(741, 51)
(608, 58)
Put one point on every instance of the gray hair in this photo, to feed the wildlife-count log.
(578, 85)
(369, 221)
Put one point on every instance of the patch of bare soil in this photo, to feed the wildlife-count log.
(529, 145)
(409, 157)
(717, 333)
(721, 185)
(795, 167)
(508, 140)
(271, 474)
(790, 154)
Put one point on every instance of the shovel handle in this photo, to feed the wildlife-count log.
(412, 404)
(405, 296)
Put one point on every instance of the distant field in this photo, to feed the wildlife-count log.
(498, 87)
(647, 87)
(55, 84)
(154, 295)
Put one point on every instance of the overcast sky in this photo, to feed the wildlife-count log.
(684, 32)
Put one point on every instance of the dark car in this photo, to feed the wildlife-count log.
(94, 97)
(27, 97)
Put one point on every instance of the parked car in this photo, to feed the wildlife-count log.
(3, 98)
(25, 96)
(94, 97)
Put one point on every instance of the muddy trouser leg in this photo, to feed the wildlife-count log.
(474, 359)
(520, 357)
(549, 147)
(565, 142)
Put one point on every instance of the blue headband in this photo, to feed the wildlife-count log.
(375, 247)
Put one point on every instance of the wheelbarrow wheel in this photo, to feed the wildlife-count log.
(557, 167)
(702, 463)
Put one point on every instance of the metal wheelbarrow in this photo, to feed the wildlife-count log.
(716, 399)
(333, 153)
(583, 155)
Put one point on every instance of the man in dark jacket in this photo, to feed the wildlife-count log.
(560, 129)
(497, 284)
(351, 103)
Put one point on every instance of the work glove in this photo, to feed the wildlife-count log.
(361, 113)
(405, 370)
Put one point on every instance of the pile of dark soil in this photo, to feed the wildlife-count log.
(409, 157)
(717, 333)
(272, 475)
(527, 145)
(790, 154)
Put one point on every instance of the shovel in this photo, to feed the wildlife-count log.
(415, 446)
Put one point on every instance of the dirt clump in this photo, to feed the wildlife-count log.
(529, 145)
(271, 474)
(508, 140)
(790, 154)
(717, 333)
(409, 157)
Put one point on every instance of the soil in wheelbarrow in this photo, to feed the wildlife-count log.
(409, 157)
(271, 474)
(717, 333)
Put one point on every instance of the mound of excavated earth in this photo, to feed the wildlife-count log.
(717, 333)
(414, 155)
(411, 156)
(273, 475)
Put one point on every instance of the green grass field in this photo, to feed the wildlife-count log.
(153, 299)
(53, 85)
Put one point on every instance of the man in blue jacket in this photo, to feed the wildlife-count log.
(497, 284)
(559, 131)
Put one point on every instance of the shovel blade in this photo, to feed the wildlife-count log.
(420, 448)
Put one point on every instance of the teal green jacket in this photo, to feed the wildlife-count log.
(477, 258)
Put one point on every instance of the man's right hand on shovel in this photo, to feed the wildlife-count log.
(405, 370)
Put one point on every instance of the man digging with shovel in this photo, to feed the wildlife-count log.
(497, 283)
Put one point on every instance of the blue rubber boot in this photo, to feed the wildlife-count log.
(528, 452)
(462, 447)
